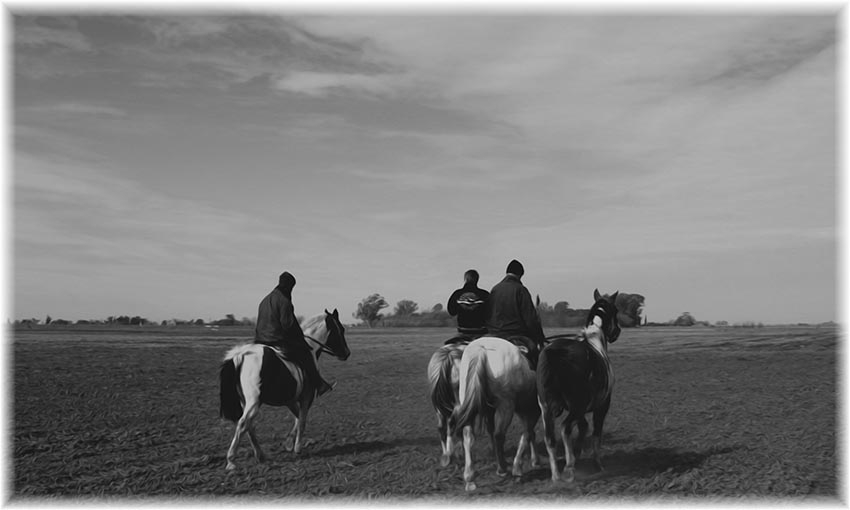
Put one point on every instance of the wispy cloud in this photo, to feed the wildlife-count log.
(319, 84)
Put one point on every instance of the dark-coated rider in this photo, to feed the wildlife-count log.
(468, 303)
(511, 313)
(277, 326)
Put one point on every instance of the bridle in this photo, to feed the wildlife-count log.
(603, 313)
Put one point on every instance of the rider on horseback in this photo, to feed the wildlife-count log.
(511, 313)
(469, 304)
(278, 327)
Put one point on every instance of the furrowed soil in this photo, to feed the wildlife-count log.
(697, 413)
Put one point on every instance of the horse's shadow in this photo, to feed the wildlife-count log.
(642, 463)
(368, 447)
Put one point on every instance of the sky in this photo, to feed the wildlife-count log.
(173, 164)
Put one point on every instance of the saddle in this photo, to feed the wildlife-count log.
(528, 347)
(463, 338)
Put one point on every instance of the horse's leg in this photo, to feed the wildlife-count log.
(582, 434)
(289, 441)
(520, 449)
(530, 424)
(549, 437)
(258, 452)
(300, 425)
(569, 466)
(598, 420)
(252, 405)
(445, 438)
(502, 420)
(526, 440)
(468, 472)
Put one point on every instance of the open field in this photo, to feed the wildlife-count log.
(696, 412)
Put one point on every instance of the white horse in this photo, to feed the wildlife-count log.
(254, 374)
(496, 381)
(444, 378)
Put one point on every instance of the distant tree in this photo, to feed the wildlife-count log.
(561, 307)
(368, 310)
(138, 321)
(405, 307)
(686, 319)
(721, 323)
(437, 308)
(629, 307)
(229, 320)
(47, 320)
(543, 307)
(198, 322)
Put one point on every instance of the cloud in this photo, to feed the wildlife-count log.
(320, 84)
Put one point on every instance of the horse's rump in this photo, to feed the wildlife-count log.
(442, 374)
(569, 371)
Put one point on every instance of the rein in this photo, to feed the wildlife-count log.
(322, 347)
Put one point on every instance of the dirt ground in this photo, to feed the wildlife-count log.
(700, 413)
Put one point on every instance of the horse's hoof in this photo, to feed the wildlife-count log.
(470, 486)
(502, 472)
(230, 466)
(445, 460)
(569, 475)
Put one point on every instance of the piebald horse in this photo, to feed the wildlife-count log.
(443, 378)
(496, 380)
(574, 375)
(254, 374)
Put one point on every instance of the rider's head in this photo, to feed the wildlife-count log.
(286, 280)
(515, 268)
(471, 276)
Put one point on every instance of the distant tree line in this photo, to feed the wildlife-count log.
(126, 320)
(406, 313)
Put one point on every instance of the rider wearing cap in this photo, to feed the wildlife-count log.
(278, 327)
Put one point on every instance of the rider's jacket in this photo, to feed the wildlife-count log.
(511, 312)
(277, 324)
(469, 304)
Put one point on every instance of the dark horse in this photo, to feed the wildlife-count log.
(574, 375)
(255, 373)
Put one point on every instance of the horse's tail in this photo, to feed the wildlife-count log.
(230, 407)
(440, 376)
(476, 392)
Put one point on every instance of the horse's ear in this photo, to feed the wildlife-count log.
(523, 349)
(614, 297)
(596, 296)
(327, 312)
(336, 313)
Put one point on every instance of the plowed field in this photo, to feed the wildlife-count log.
(697, 413)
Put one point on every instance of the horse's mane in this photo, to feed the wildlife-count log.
(312, 321)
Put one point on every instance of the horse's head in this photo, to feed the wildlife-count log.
(605, 309)
(335, 342)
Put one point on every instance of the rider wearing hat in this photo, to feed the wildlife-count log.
(278, 327)
(511, 312)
